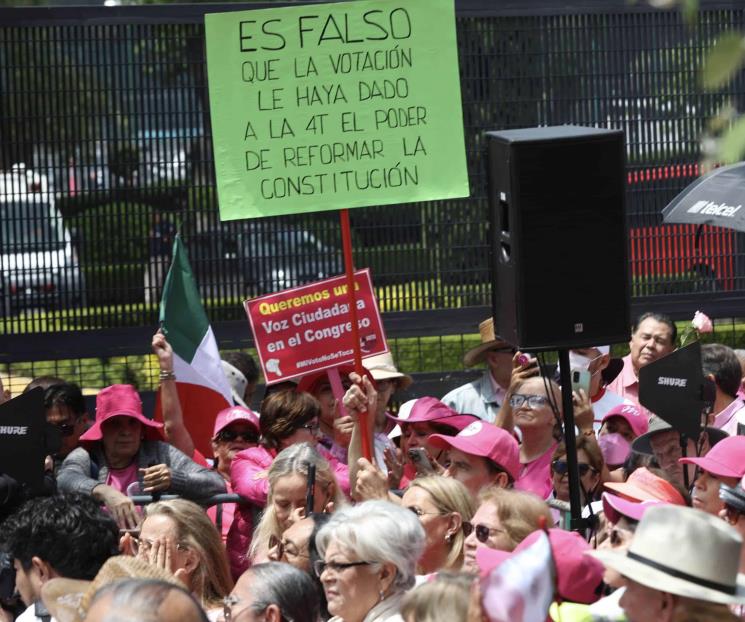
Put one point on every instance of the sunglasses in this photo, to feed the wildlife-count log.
(140, 544)
(533, 401)
(230, 435)
(66, 429)
(504, 350)
(482, 531)
(560, 467)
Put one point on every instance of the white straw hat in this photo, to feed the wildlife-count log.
(682, 551)
(382, 367)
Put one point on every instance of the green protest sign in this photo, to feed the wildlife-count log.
(334, 106)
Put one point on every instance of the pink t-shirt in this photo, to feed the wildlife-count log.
(535, 476)
(122, 478)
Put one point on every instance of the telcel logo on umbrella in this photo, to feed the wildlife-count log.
(709, 207)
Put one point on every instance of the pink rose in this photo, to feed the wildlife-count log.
(701, 322)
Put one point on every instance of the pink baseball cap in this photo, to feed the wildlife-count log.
(725, 459)
(235, 413)
(643, 485)
(486, 440)
(120, 400)
(615, 507)
(633, 416)
(579, 577)
(432, 409)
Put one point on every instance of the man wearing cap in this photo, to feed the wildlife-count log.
(681, 564)
(720, 365)
(652, 337)
(484, 396)
(663, 442)
(723, 464)
(480, 455)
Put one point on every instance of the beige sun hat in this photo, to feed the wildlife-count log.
(488, 341)
(682, 551)
(67, 600)
(382, 367)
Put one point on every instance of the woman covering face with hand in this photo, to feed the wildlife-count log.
(177, 536)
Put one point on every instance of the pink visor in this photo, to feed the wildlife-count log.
(615, 508)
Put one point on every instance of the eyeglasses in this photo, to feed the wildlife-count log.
(145, 546)
(283, 548)
(482, 531)
(732, 514)
(320, 566)
(226, 436)
(533, 401)
(311, 427)
(561, 467)
(231, 601)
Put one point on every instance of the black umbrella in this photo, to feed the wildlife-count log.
(716, 199)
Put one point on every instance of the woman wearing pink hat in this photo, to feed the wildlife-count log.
(123, 447)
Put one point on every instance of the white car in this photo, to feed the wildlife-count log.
(38, 263)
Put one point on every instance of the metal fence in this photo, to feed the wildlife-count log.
(107, 110)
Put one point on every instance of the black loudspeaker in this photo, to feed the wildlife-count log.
(558, 237)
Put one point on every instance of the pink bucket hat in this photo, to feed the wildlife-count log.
(725, 459)
(632, 415)
(121, 400)
(615, 507)
(643, 485)
(485, 440)
(235, 413)
(432, 409)
(579, 578)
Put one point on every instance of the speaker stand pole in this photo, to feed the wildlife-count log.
(576, 523)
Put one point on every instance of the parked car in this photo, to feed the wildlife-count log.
(251, 258)
(39, 266)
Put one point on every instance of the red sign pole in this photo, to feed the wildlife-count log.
(346, 240)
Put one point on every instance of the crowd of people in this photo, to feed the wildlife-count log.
(446, 516)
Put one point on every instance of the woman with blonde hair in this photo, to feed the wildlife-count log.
(288, 484)
(443, 505)
(177, 535)
(504, 518)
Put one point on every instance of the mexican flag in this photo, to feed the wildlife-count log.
(202, 387)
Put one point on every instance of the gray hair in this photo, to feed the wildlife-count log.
(140, 599)
(377, 531)
(292, 590)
